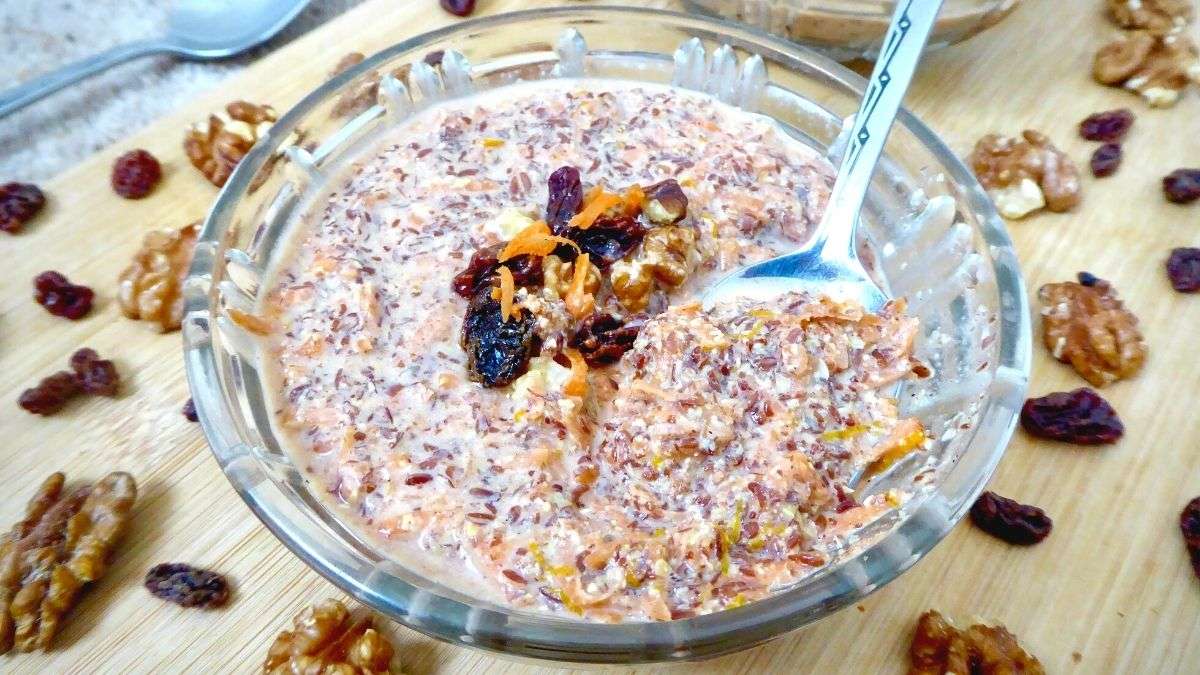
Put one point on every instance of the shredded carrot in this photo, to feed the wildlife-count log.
(579, 302)
(578, 384)
(250, 322)
(598, 201)
(507, 290)
(634, 198)
(536, 239)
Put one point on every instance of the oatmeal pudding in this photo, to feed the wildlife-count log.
(487, 350)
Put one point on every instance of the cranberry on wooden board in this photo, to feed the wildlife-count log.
(1182, 186)
(1108, 126)
(62, 298)
(458, 7)
(19, 203)
(135, 174)
(1183, 269)
(1081, 416)
(1010, 520)
(1105, 160)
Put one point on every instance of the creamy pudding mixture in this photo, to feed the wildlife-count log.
(593, 443)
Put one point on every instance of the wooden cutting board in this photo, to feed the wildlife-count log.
(1110, 590)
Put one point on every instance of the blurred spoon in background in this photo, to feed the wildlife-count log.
(198, 30)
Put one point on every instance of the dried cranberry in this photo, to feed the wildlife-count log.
(666, 203)
(608, 239)
(458, 7)
(51, 394)
(135, 174)
(1080, 416)
(526, 270)
(189, 411)
(1010, 520)
(435, 57)
(498, 351)
(603, 339)
(1183, 269)
(1109, 126)
(565, 198)
(95, 375)
(1088, 279)
(1182, 186)
(187, 586)
(19, 203)
(61, 297)
(1189, 525)
(1106, 160)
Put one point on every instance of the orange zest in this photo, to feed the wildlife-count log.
(597, 202)
(507, 290)
(536, 239)
(579, 302)
(635, 199)
(578, 384)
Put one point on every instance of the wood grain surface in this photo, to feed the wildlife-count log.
(1109, 591)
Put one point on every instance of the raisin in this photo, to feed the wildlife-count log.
(1010, 520)
(1088, 279)
(135, 174)
(1109, 126)
(1189, 525)
(565, 198)
(665, 203)
(19, 203)
(95, 375)
(458, 7)
(1081, 416)
(189, 411)
(603, 339)
(61, 297)
(526, 270)
(608, 239)
(187, 586)
(1182, 186)
(434, 58)
(1106, 160)
(498, 351)
(51, 394)
(1183, 269)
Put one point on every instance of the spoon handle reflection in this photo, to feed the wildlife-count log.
(22, 95)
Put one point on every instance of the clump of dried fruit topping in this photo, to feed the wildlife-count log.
(151, 288)
(62, 544)
(565, 192)
(1182, 186)
(189, 411)
(526, 270)
(62, 298)
(19, 203)
(135, 174)
(1026, 174)
(1109, 126)
(1156, 65)
(187, 586)
(1082, 417)
(89, 374)
(1090, 328)
(1154, 14)
(1105, 160)
(216, 146)
(1010, 520)
(1183, 269)
(327, 638)
(1189, 525)
(603, 339)
(938, 648)
(498, 351)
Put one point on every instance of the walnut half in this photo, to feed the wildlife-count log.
(1152, 14)
(151, 288)
(327, 638)
(216, 146)
(665, 258)
(1156, 66)
(62, 544)
(938, 648)
(1089, 328)
(1026, 174)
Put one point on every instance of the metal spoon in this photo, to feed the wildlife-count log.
(828, 264)
(196, 29)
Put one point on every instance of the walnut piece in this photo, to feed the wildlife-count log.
(216, 146)
(938, 648)
(1157, 66)
(1089, 328)
(1026, 174)
(665, 258)
(151, 288)
(63, 542)
(1152, 14)
(557, 275)
(362, 93)
(327, 639)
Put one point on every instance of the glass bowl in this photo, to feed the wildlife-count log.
(847, 29)
(929, 227)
